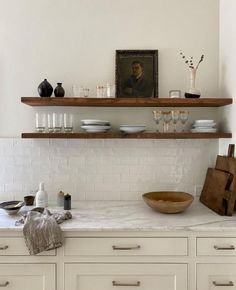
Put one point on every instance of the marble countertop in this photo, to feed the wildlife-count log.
(132, 216)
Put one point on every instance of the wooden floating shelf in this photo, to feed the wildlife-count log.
(127, 102)
(119, 135)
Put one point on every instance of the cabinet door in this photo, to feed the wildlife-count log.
(216, 276)
(126, 276)
(27, 276)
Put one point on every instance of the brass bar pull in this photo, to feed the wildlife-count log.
(222, 284)
(121, 248)
(231, 247)
(4, 284)
(135, 284)
(3, 248)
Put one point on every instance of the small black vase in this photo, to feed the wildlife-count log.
(45, 89)
(59, 91)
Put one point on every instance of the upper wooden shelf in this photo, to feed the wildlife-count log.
(127, 102)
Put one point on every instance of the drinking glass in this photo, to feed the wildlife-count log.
(184, 118)
(175, 118)
(57, 122)
(68, 122)
(40, 122)
(86, 93)
(50, 123)
(78, 91)
(157, 117)
(167, 119)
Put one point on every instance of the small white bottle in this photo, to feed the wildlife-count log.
(41, 196)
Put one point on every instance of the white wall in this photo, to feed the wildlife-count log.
(103, 169)
(228, 67)
(75, 42)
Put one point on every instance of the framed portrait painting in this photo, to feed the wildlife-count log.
(137, 73)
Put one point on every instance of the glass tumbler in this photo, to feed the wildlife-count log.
(40, 122)
(57, 119)
(78, 91)
(68, 122)
(50, 123)
(86, 93)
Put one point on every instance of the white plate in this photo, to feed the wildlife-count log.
(96, 130)
(132, 130)
(203, 121)
(95, 127)
(205, 130)
(94, 122)
(204, 125)
(133, 126)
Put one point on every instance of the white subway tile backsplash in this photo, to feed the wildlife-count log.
(103, 169)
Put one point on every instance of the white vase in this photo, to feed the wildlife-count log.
(193, 92)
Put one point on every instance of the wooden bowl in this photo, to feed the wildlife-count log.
(168, 201)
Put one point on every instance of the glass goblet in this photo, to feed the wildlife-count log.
(175, 118)
(184, 118)
(158, 117)
(167, 119)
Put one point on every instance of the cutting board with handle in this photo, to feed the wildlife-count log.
(213, 192)
(228, 164)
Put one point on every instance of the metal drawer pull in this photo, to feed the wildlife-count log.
(5, 284)
(231, 247)
(230, 283)
(135, 284)
(126, 248)
(4, 248)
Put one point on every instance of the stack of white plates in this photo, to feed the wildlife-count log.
(204, 126)
(95, 126)
(132, 128)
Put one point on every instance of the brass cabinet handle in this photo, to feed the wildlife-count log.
(230, 283)
(135, 284)
(3, 248)
(231, 247)
(4, 284)
(126, 248)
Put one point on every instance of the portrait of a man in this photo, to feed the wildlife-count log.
(136, 74)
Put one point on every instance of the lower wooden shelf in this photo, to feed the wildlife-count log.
(119, 135)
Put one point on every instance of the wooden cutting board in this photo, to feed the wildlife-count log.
(213, 192)
(228, 164)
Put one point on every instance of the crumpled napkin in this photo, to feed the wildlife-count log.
(41, 230)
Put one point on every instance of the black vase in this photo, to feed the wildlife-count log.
(45, 89)
(59, 91)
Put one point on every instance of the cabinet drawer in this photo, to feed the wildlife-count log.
(17, 247)
(216, 276)
(27, 276)
(128, 276)
(126, 246)
(216, 246)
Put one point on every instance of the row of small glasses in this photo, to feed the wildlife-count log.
(175, 116)
(54, 122)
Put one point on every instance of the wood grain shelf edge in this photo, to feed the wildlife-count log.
(118, 135)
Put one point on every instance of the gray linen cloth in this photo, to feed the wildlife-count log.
(41, 230)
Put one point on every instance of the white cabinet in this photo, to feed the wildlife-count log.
(27, 276)
(216, 246)
(122, 261)
(174, 246)
(125, 276)
(216, 276)
(14, 246)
